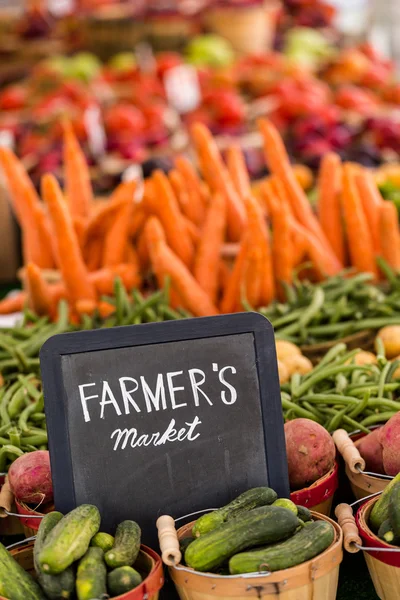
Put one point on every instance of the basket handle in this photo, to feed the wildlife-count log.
(168, 540)
(6, 499)
(348, 450)
(347, 522)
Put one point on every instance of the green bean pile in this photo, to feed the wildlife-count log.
(338, 307)
(22, 418)
(339, 393)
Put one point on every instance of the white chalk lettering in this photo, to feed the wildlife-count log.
(107, 392)
(130, 436)
(153, 400)
(196, 385)
(84, 400)
(232, 390)
(172, 389)
(126, 394)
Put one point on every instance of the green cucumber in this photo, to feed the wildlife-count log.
(386, 532)
(59, 586)
(304, 514)
(263, 525)
(286, 503)
(126, 545)
(69, 540)
(122, 580)
(185, 542)
(15, 582)
(394, 511)
(380, 510)
(253, 498)
(102, 540)
(305, 545)
(91, 575)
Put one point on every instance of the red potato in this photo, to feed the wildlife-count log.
(371, 450)
(389, 437)
(310, 452)
(30, 478)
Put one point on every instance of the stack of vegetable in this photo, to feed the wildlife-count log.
(384, 518)
(22, 418)
(349, 389)
(337, 307)
(179, 224)
(72, 556)
(274, 532)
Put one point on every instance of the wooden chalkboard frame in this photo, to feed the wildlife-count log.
(158, 333)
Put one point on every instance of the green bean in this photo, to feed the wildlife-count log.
(294, 383)
(15, 437)
(382, 379)
(313, 309)
(358, 390)
(299, 411)
(361, 406)
(378, 418)
(331, 355)
(335, 422)
(29, 386)
(5, 428)
(329, 399)
(35, 440)
(36, 406)
(381, 402)
(5, 451)
(17, 402)
(314, 378)
(37, 417)
(5, 417)
(354, 424)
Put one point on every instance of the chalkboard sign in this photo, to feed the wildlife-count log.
(160, 418)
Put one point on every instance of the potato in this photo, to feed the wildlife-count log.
(297, 363)
(390, 337)
(396, 374)
(389, 436)
(285, 349)
(310, 452)
(371, 450)
(283, 372)
(363, 358)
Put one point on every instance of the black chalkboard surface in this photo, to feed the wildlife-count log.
(163, 418)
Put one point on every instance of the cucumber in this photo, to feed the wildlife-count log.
(126, 546)
(184, 543)
(380, 510)
(309, 542)
(261, 496)
(394, 511)
(69, 540)
(15, 582)
(286, 503)
(304, 514)
(122, 580)
(386, 532)
(263, 525)
(91, 575)
(102, 540)
(55, 586)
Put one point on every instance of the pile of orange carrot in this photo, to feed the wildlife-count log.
(183, 223)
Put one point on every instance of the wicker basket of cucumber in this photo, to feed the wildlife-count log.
(256, 546)
(71, 558)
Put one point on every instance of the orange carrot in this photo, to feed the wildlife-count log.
(29, 211)
(238, 171)
(93, 253)
(171, 218)
(224, 274)
(137, 221)
(38, 292)
(282, 247)
(78, 186)
(260, 284)
(194, 299)
(103, 279)
(116, 240)
(85, 307)
(72, 267)
(193, 231)
(372, 201)
(219, 180)
(105, 309)
(278, 161)
(207, 265)
(357, 230)
(142, 250)
(80, 229)
(231, 297)
(194, 184)
(389, 234)
(104, 212)
(12, 304)
(329, 209)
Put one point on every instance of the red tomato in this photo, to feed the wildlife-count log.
(124, 119)
(355, 98)
(13, 97)
(225, 106)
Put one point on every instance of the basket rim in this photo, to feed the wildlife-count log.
(367, 535)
